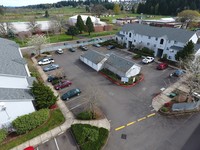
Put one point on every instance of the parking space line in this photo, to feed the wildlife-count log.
(78, 105)
(60, 133)
(45, 141)
(119, 128)
(151, 115)
(56, 144)
(131, 123)
(37, 148)
(143, 118)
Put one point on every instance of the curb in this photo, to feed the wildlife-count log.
(122, 85)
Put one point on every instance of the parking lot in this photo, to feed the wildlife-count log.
(122, 106)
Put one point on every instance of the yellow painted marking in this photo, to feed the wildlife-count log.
(141, 119)
(151, 115)
(131, 123)
(119, 128)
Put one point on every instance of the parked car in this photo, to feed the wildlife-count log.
(70, 94)
(77, 41)
(177, 73)
(59, 51)
(83, 48)
(96, 45)
(50, 67)
(110, 47)
(62, 84)
(162, 66)
(45, 61)
(72, 49)
(53, 78)
(29, 148)
(147, 60)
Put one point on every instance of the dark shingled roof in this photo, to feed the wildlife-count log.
(8, 94)
(196, 47)
(119, 63)
(120, 35)
(176, 48)
(94, 56)
(10, 59)
(179, 35)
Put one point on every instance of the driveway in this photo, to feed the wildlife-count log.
(134, 123)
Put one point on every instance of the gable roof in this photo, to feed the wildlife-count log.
(10, 59)
(119, 63)
(94, 56)
(8, 94)
(180, 35)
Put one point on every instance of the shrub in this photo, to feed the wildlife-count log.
(55, 82)
(164, 109)
(143, 52)
(26, 123)
(3, 134)
(89, 137)
(86, 115)
(47, 53)
(137, 56)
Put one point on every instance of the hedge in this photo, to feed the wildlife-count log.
(26, 123)
(89, 137)
(3, 134)
(86, 115)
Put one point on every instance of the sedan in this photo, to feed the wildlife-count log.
(53, 78)
(59, 51)
(51, 67)
(110, 47)
(177, 73)
(96, 45)
(147, 60)
(72, 49)
(162, 66)
(45, 61)
(70, 94)
(83, 48)
(62, 84)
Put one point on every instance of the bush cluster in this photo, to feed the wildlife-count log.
(111, 42)
(26, 123)
(3, 134)
(143, 52)
(89, 137)
(86, 115)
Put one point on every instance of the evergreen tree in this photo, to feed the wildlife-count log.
(89, 25)
(80, 24)
(46, 14)
(186, 52)
(116, 9)
(72, 31)
(44, 97)
(133, 9)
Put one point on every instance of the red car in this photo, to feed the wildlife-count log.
(162, 66)
(62, 84)
(29, 148)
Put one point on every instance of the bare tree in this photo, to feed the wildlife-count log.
(192, 76)
(24, 35)
(37, 41)
(33, 26)
(98, 10)
(5, 28)
(56, 24)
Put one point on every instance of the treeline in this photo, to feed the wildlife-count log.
(72, 3)
(167, 7)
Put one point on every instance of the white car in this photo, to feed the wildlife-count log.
(45, 61)
(59, 51)
(147, 60)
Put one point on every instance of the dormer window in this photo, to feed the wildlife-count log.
(129, 34)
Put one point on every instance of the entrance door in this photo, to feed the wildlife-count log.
(159, 53)
(129, 44)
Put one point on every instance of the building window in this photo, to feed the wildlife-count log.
(156, 39)
(149, 37)
(122, 38)
(169, 57)
(175, 42)
(129, 34)
(148, 43)
(161, 41)
(134, 40)
(154, 45)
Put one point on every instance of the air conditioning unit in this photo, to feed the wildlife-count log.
(2, 106)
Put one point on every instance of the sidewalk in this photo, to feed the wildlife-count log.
(69, 120)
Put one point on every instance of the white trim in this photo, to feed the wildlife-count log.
(16, 100)
(10, 75)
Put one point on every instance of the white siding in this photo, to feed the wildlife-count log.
(133, 71)
(13, 110)
(13, 82)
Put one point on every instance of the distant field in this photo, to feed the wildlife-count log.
(25, 14)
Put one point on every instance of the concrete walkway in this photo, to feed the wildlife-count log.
(69, 119)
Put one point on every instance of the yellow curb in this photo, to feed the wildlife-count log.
(141, 119)
(151, 115)
(119, 128)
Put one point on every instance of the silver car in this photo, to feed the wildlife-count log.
(51, 67)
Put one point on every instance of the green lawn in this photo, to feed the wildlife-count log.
(55, 120)
(96, 34)
(60, 38)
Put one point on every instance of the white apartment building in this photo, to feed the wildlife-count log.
(162, 40)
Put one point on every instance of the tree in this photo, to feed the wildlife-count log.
(192, 77)
(133, 9)
(24, 35)
(89, 25)
(44, 97)
(80, 24)
(87, 8)
(122, 8)
(2, 10)
(98, 10)
(73, 31)
(186, 52)
(46, 14)
(116, 9)
(5, 28)
(33, 26)
(37, 41)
